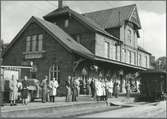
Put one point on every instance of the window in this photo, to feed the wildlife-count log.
(123, 55)
(139, 59)
(66, 23)
(132, 58)
(34, 42)
(40, 43)
(128, 57)
(118, 53)
(135, 58)
(129, 36)
(28, 44)
(146, 61)
(106, 49)
(54, 72)
(114, 52)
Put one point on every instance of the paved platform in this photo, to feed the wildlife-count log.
(60, 108)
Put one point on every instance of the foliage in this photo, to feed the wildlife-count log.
(160, 64)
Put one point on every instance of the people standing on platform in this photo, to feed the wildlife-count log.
(109, 86)
(137, 86)
(123, 87)
(88, 86)
(116, 89)
(92, 85)
(103, 88)
(53, 89)
(20, 87)
(127, 89)
(44, 85)
(74, 90)
(24, 90)
(68, 89)
(77, 82)
(13, 91)
(98, 88)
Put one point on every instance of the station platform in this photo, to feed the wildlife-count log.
(60, 108)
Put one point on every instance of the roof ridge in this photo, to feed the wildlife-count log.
(108, 9)
(93, 23)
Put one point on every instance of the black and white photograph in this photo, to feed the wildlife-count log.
(83, 59)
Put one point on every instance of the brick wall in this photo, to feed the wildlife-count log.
(55, 54)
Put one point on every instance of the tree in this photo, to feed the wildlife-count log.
(160, 64)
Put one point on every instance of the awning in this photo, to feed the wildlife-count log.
(97, 58)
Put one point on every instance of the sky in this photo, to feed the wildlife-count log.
(15, 14)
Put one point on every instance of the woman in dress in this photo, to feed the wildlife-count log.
(25, 90)
(98, 88)
(109, 85)
(53, 86)
(13, 91)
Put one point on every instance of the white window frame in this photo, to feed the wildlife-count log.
(34, 42)
(106, 49)
(28, 43)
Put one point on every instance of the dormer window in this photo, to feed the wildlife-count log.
(66, 23)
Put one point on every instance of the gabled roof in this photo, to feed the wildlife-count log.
(143, 50)
(89, 22)
(62, 37)
(114, 17)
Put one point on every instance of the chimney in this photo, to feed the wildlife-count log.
(60, 4)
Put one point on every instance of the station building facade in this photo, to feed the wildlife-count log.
(67, 43)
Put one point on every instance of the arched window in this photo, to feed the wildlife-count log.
(54, 72)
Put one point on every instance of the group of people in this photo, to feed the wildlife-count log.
(49, 89)
(20, 90)
(98, 88)
(15, 88)
(72, 89)
(104, 89)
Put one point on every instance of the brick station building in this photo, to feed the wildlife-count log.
(69, 43)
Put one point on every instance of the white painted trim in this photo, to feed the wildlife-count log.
(21, 67)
